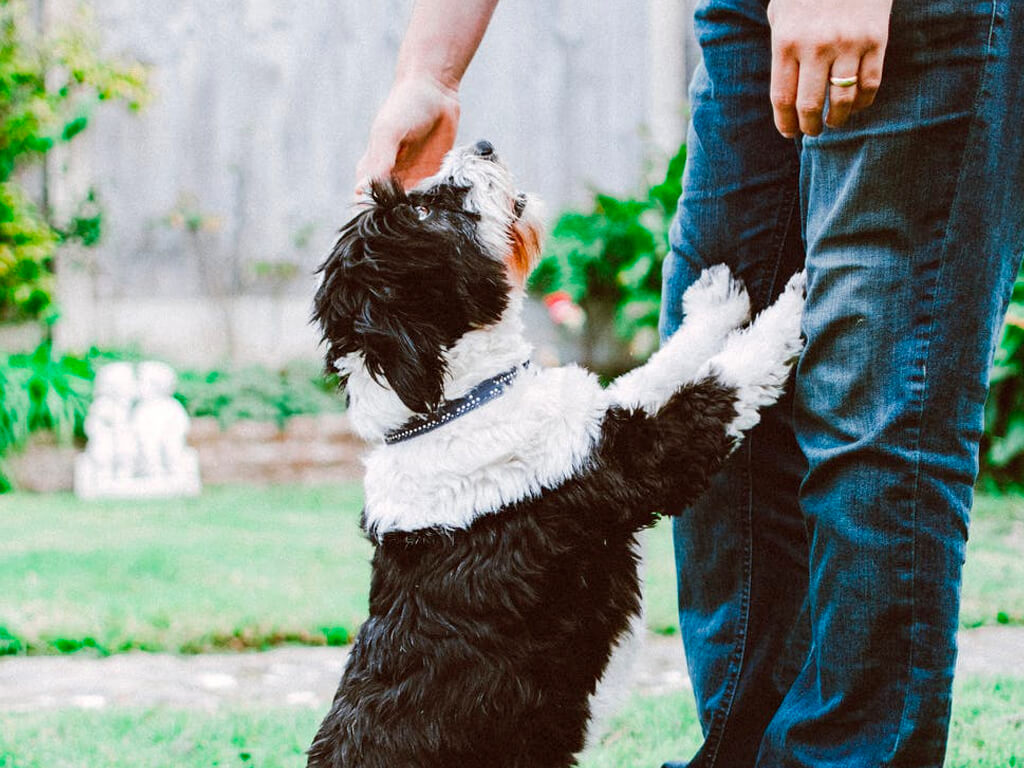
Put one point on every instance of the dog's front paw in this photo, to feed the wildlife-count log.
(756, 360)
(778, 326)
(719, 296)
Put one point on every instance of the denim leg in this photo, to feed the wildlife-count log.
(914, 223)
(741, 552)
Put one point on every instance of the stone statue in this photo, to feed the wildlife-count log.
(159, 421)
(111, 447)
(136, 433)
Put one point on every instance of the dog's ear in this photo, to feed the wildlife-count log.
(409, 358)
(525, 239)
(332, 312)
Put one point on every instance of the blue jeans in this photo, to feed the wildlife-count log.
(819, 577)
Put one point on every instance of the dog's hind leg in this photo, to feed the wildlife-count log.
(713, 307)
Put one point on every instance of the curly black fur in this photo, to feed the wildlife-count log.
(483, 645)
(406, 279)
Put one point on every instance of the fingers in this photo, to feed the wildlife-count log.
(785, 77)
(841, 98)
(413, 130)
(810, 93)
(870, 77)
(379, 160)
(799, 88)
(809, 47)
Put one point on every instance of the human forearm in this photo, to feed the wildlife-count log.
(417, 123)
(442, 38)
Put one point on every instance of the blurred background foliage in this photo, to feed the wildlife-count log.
(607, 259)
(1002, 447)
(49, 85)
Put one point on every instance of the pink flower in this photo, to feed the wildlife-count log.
(564, 311)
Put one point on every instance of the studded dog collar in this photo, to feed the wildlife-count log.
(449, 410)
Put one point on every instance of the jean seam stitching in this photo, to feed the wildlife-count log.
(781, 233)
(923, 397)
(714, 739)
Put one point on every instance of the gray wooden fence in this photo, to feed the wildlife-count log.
(221, 197)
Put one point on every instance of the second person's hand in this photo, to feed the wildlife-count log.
(825, 48)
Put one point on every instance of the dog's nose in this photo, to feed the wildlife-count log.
(483, 148)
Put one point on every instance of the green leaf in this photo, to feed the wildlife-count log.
(1009, 345)
(74, 128)
(634, 275)
(1011, 446)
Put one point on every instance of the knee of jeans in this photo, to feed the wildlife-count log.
(871, 392)
(862, 369)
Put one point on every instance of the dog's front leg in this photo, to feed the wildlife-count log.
(661, 457)
(661, 462)
(712, 307)
(756, 360)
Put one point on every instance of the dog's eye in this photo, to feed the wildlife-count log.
(422, 212)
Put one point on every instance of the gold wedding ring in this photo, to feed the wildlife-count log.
(843, 82)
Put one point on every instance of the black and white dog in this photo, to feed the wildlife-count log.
(504, 500)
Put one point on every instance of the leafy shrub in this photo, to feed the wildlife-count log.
(9, 644)
(48, 85)
(608, 260)
(41, 392)
(256, 393)
(1002, 455)
(27, 245)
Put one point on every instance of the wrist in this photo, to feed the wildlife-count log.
(425, 70)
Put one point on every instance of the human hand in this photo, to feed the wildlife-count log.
(413, 130)
(815, 40)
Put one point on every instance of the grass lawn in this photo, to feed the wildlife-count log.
(238, 567)
(987, 732)
(252, 567)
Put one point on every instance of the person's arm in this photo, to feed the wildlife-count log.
(814, 41)
(418, 121)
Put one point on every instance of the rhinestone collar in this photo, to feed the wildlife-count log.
(449, 410)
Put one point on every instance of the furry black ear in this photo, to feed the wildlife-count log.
(332, 306)
(409, 359)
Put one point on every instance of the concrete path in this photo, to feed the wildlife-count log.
(307, 677)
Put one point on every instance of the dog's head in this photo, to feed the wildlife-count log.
(415, 270)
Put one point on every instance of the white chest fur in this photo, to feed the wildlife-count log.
(534, 437)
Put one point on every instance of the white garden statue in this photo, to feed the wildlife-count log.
(136, 433)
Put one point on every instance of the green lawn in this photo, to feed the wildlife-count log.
(237, 567)
(253, 567)
(245, 567)
(987, 732)
(987, 729)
